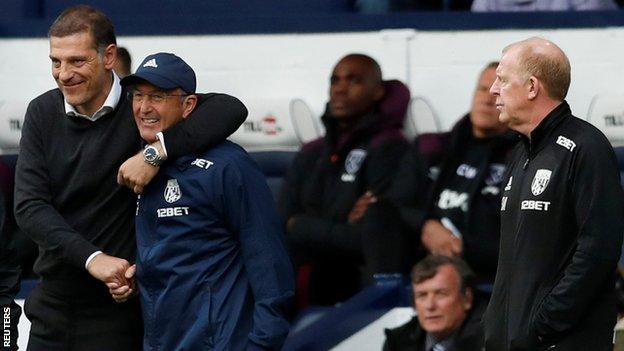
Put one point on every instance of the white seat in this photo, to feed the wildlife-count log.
(606, 112)
(277, 124)
(12, 114)
(421, 118)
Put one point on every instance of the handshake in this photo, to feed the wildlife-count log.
(117, 274)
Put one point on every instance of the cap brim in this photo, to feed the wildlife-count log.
(151, 78)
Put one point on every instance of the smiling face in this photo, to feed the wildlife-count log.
(440, 304)
(82, 74)
(355, 88)
(156, 110)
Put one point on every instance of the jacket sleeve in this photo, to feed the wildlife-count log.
(250, 212)
(213, 120)
(598, 206)
(34, 211)
(316, 230)
(289, 200)
(410, 189)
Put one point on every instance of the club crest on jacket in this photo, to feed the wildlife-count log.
(540, 181)
(354, 160)
(172, 191)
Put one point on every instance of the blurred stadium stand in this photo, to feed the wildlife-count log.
(31, 18)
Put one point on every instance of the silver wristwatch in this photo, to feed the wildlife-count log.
(152, 156)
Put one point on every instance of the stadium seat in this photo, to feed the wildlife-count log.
(421, 118)
(11, 119)
(274, 165)
(277, 124)
(606, 112)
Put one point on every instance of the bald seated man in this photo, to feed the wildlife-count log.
(561, 214)
(334, 224)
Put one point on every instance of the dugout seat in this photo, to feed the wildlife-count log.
(606, 112)
(421, 118)
(273, 133)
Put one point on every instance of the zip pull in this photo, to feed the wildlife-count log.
(526, 163)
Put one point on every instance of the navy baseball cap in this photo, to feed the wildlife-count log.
(164, 70)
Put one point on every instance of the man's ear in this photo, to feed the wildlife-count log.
(380, 93)
(189, 105)
(534, 87)
(109, 56)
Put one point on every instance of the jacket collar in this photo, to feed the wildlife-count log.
(363, 127)
(540, 134)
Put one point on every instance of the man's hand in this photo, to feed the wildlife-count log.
(360, 207)
(109, 269)
(135, 173)
(124, 292)
(440, 241)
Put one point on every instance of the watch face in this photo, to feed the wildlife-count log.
(150, 154)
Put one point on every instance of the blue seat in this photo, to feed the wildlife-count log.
(274, 165)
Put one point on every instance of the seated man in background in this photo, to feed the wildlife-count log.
(346, 239)
(123, 62)
(212, 267)
(467, 165)
(447, 318)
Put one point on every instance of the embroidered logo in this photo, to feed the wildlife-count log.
(508, 186)
(172, 191)
(497, 172)
(565, 142)
(466, 171)
(201, 163)
(354, 160)
(151, 63)
(540, 181)
(451, 199)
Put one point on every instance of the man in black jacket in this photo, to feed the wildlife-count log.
(561, 214)
(67, 199)
(460, 217)
(326, 224)
(447, 314)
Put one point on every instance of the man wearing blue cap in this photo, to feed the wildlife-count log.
(67, 198)
(212, 268)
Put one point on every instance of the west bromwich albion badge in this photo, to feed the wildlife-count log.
(540, 181)
(172, 191)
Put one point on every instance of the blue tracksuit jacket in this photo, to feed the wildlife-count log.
(212, 268)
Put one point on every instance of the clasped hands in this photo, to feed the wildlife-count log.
(117, 274)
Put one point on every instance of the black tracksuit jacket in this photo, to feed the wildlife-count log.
(562, 218)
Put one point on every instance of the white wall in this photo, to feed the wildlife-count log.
(440, 65)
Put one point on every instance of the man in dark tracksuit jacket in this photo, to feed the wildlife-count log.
(467, 165)
(212, 266)
(359, 153)
(561, 215)
(473, 171)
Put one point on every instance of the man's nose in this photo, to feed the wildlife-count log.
(494, 88)
(430, 302)
(146, 106)
(65, 73)
(339, 87)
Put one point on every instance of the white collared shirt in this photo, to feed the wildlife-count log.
(109, 105)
